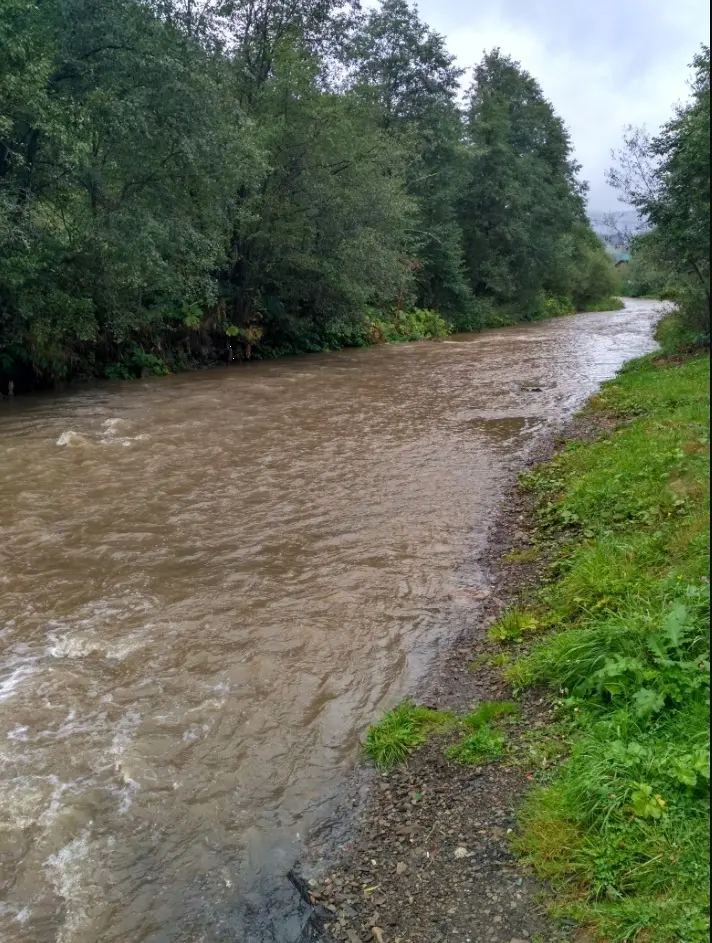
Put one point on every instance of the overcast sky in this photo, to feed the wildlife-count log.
(602, 64)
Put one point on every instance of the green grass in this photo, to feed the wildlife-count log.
(408, 726)
(512, 625)
(622, 828)
(489, 711)
(402, 730)
(481, 742)
(482, 746)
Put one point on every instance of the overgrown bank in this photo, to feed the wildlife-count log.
(623, 827)
(181, 184)
(603, 602)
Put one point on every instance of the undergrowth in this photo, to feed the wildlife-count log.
(611, 303)
(622, 828)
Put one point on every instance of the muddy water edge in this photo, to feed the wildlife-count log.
(210, 584)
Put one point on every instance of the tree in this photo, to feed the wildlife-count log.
(667, 179)
(324, 234)
(396, 61)
(118, 185)
(522, 210)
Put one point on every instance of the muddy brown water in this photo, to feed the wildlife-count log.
(211, 583)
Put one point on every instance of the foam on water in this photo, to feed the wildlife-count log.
(115, 432)
(68, 871)
(69, 645)
(72, 439)
(111, 426)
(10, 684)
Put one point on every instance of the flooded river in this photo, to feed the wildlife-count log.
(211, 583)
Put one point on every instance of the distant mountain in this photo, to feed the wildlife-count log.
(617, 227)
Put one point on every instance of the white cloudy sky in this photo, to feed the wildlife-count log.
(603, 64)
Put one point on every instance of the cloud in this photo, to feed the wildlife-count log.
(603, 65)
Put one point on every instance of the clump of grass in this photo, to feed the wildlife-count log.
(521, 555)
(501, 660)
(402, 730)
(512, 625)
(489, 711)
(482, 743)
(482, 746)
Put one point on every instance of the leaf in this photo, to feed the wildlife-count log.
(676, 624)
(648, 702)
(656, 644)
(645, 805)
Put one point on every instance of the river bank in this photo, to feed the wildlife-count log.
(621, 841)
(200, 353)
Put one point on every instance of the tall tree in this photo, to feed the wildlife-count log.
(324, 233)
(523, 209)
(120, 182)
(667, 179)
(406, 69)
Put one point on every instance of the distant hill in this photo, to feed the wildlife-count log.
(617, 227)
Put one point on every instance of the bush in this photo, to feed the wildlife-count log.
(414, 325)
(612, 303)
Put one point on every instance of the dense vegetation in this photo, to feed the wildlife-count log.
(182, 182)
(667, 179)
(623, 827)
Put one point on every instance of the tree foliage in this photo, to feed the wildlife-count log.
(524, 221)
(667, 179)
(184, 181)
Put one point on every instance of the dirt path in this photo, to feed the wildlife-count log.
(429, 859)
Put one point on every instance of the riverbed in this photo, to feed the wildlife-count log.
(211, 583)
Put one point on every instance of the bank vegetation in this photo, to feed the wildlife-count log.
(183, 182)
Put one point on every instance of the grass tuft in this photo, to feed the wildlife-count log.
(482, 746)
(482, 743)
(512, 626)
(489, 711)
(402, 730)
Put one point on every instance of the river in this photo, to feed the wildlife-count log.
(211, 583)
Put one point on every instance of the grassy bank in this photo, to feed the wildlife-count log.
(618, 631)
(622, 828)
